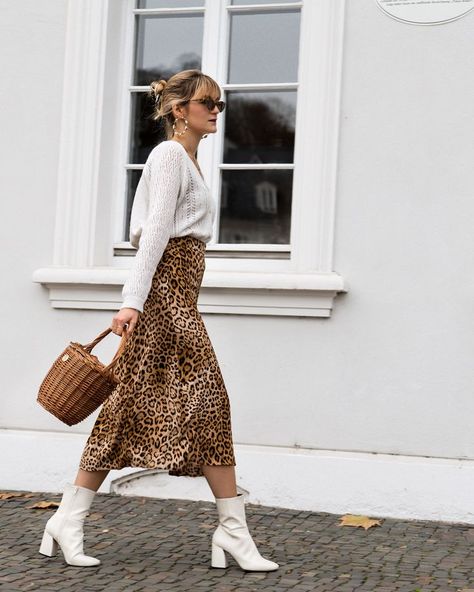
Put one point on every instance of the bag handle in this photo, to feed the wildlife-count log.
(90, 346)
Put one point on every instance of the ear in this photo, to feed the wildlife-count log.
(179, 111)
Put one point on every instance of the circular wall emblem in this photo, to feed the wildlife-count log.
(425, 12)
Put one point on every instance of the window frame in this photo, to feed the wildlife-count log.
(86, 273)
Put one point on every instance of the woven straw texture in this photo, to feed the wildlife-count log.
(78, 383)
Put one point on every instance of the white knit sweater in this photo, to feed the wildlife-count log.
(171, 199)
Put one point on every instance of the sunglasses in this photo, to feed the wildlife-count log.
(210, 103)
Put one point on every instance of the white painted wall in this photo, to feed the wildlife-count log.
(389, 372)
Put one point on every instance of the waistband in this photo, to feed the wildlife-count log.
(188, 239)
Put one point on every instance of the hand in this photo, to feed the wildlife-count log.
(125, 316)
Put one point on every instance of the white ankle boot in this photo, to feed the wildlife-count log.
(232, 535)
(65, 527)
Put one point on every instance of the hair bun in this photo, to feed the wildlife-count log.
(157, 87)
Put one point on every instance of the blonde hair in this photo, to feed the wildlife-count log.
(182, 86)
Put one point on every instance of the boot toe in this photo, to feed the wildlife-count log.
(83, 561)
(265, 565)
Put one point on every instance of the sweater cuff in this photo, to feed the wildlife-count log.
(132, 302)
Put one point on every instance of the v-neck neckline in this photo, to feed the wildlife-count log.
(192, 162)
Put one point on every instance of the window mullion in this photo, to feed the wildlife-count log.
(214, 63)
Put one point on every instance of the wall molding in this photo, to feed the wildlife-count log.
(81, 129)
(282, 294)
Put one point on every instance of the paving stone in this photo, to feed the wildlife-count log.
(148, 545)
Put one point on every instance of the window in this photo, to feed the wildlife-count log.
(271, 166)
(255, 139)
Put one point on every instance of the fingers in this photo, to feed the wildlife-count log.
(117, 327)
(119, 324)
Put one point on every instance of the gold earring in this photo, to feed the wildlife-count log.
(185, 127)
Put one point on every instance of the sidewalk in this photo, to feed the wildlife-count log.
(152, 545)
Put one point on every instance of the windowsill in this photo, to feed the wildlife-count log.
(225, 292)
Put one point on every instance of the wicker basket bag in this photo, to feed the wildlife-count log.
(78, 383)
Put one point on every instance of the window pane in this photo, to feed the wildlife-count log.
(133, 176)
(260, 126)
(165, 45)
(145, 132)
(255, 206)
(264, 47)
(169, 3)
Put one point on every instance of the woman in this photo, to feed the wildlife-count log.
(170, 409)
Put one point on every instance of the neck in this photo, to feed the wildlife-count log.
(190, 140)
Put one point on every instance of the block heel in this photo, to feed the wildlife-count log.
(218, 558)
(48, 545)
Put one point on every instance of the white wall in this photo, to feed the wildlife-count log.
(32, 38)
(389, 372)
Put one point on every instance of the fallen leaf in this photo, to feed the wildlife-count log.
(363, 521)
(45, 504)
(95, 516)
(9, 494)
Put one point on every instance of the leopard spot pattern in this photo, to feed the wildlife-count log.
(170, 409)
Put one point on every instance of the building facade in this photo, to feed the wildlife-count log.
(342, 172)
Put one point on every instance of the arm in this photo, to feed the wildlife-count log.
(164, 184)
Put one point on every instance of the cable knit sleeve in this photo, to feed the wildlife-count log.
(165, 171)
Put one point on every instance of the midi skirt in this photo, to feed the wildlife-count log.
(170, 409)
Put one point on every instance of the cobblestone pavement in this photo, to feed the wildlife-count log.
(153, 545)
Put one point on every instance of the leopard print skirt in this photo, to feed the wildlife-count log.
(170, 409)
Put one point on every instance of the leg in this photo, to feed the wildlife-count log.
(91, 479)
(221, 480)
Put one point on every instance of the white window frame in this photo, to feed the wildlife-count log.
(85, 273)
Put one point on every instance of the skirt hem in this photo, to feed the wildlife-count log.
(173, 472)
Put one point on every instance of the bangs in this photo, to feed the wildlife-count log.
(207, 87)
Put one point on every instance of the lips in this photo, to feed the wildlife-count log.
(212, 119)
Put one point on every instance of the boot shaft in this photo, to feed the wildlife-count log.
(231, 512)
(75, 502)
